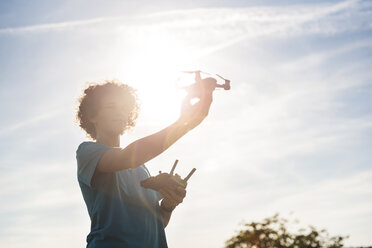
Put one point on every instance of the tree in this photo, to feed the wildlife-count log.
(272, 232)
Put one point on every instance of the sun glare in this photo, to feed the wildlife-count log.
(156, 63)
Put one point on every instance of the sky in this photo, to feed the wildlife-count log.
(291, 136)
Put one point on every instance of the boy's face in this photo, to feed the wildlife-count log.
(112, 115)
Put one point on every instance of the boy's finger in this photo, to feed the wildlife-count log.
(181, 191)
(174, 197)
(178, 197)
(164, 194)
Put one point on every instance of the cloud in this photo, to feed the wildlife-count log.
(218, 29)
(34, 120)
(55, 26)
(246, 21)
(41, 200)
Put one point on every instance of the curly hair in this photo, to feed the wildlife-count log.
(90, 100)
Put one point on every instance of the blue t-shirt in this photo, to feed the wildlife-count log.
(122, 213)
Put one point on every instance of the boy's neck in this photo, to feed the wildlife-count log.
(112, 141)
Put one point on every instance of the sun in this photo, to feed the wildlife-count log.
(155, 65)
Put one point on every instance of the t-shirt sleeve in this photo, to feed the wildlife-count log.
(87, 155)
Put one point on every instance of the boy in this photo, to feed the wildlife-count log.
(122, 213)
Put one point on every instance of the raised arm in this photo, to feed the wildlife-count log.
(147, 148)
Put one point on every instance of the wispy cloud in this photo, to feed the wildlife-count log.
(24, 123)
(226, 20)
(55, 26)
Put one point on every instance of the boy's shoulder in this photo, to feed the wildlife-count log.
(83, 145)
(90, 146)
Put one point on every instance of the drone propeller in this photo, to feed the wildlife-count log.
(222, 78)
(198, 79)
(191, 71)
(197, 71)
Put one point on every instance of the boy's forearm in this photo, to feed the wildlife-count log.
(147, 148)
(166, 217)
(166, 214)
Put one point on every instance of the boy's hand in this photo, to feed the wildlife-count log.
(172, 192)
(162, 181)
(193, 115)
(172, 198)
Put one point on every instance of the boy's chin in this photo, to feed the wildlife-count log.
(117, 130)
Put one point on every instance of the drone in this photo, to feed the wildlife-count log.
(197, 88)
(165, 180)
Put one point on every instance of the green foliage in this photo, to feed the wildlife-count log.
(273, 233)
